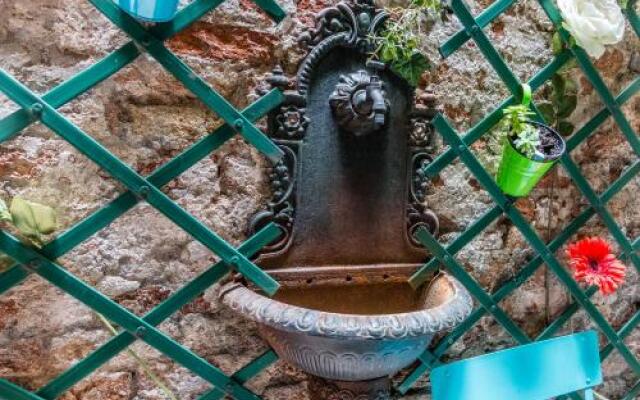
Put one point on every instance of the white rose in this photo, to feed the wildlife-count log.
(593, 23)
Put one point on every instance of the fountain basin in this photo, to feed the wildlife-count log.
(381, 329)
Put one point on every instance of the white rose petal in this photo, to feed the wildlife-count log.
(593, 23)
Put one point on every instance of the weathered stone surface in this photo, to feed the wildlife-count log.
(146, 117)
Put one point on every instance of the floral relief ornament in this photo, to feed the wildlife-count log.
(593, 23)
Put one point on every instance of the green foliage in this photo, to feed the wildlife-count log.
(560, 99)
(560, 96)
(398, 43)
(515, 123)
(432, 5)
(527, 141)
(515, 119)
(411, 69)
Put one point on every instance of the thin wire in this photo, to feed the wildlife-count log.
(550, 197)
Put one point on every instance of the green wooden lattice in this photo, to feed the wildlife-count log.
(151, 40)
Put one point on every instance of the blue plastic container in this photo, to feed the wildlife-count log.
(149, 10)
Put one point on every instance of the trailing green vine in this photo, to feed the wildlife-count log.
(32, 221)
(398, 43)
(560, 96)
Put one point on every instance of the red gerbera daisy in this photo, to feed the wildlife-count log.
(594, 264)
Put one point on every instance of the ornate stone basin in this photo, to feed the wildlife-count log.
(382, 329)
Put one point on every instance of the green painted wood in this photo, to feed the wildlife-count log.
(245, 373)
(189, 79)
(72, 88)
(483, 19)
(422, 274)
(154, 317)
(138, 327)
(160, 177)
(632, 16)
(9, 391)
(136, 183)
(472, 29)
(103, 69)
(491, 119)
(633, 393)
(472, 286)
(591, 73)
(532, 238)
(150, 39)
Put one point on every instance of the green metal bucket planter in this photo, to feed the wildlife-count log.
(518, 174)
(149, 10)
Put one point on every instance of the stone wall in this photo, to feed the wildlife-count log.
(145, 117)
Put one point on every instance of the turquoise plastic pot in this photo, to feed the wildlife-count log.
(517, 174)
(150, 10)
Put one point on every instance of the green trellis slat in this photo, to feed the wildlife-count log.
(34, 108)
(245, 373)
(597, 204)
(161, 312)
(133, 181)
(505, 290)
(163, 175)
(212, 99)
(150, 40)
(138, 327)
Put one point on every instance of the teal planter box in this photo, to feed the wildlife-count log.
(517, 174)
(149, 10)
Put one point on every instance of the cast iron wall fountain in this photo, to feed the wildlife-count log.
(348, 197)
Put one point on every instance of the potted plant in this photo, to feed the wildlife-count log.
(405, 32)
(149, 10)
(530, 149)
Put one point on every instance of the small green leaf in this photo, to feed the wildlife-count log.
(570, 86)
(565, 128)
(559, 85)
(567, 106)
(32, 219)
(388, 53)
(5, 215)
(556, 43)
(412, 69)
(547, 111)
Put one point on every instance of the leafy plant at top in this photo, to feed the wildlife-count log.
(560, 95)
(525, 137)
(398, 43)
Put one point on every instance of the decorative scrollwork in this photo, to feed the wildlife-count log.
(421, 145)
(350, 26)
(281, 209)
